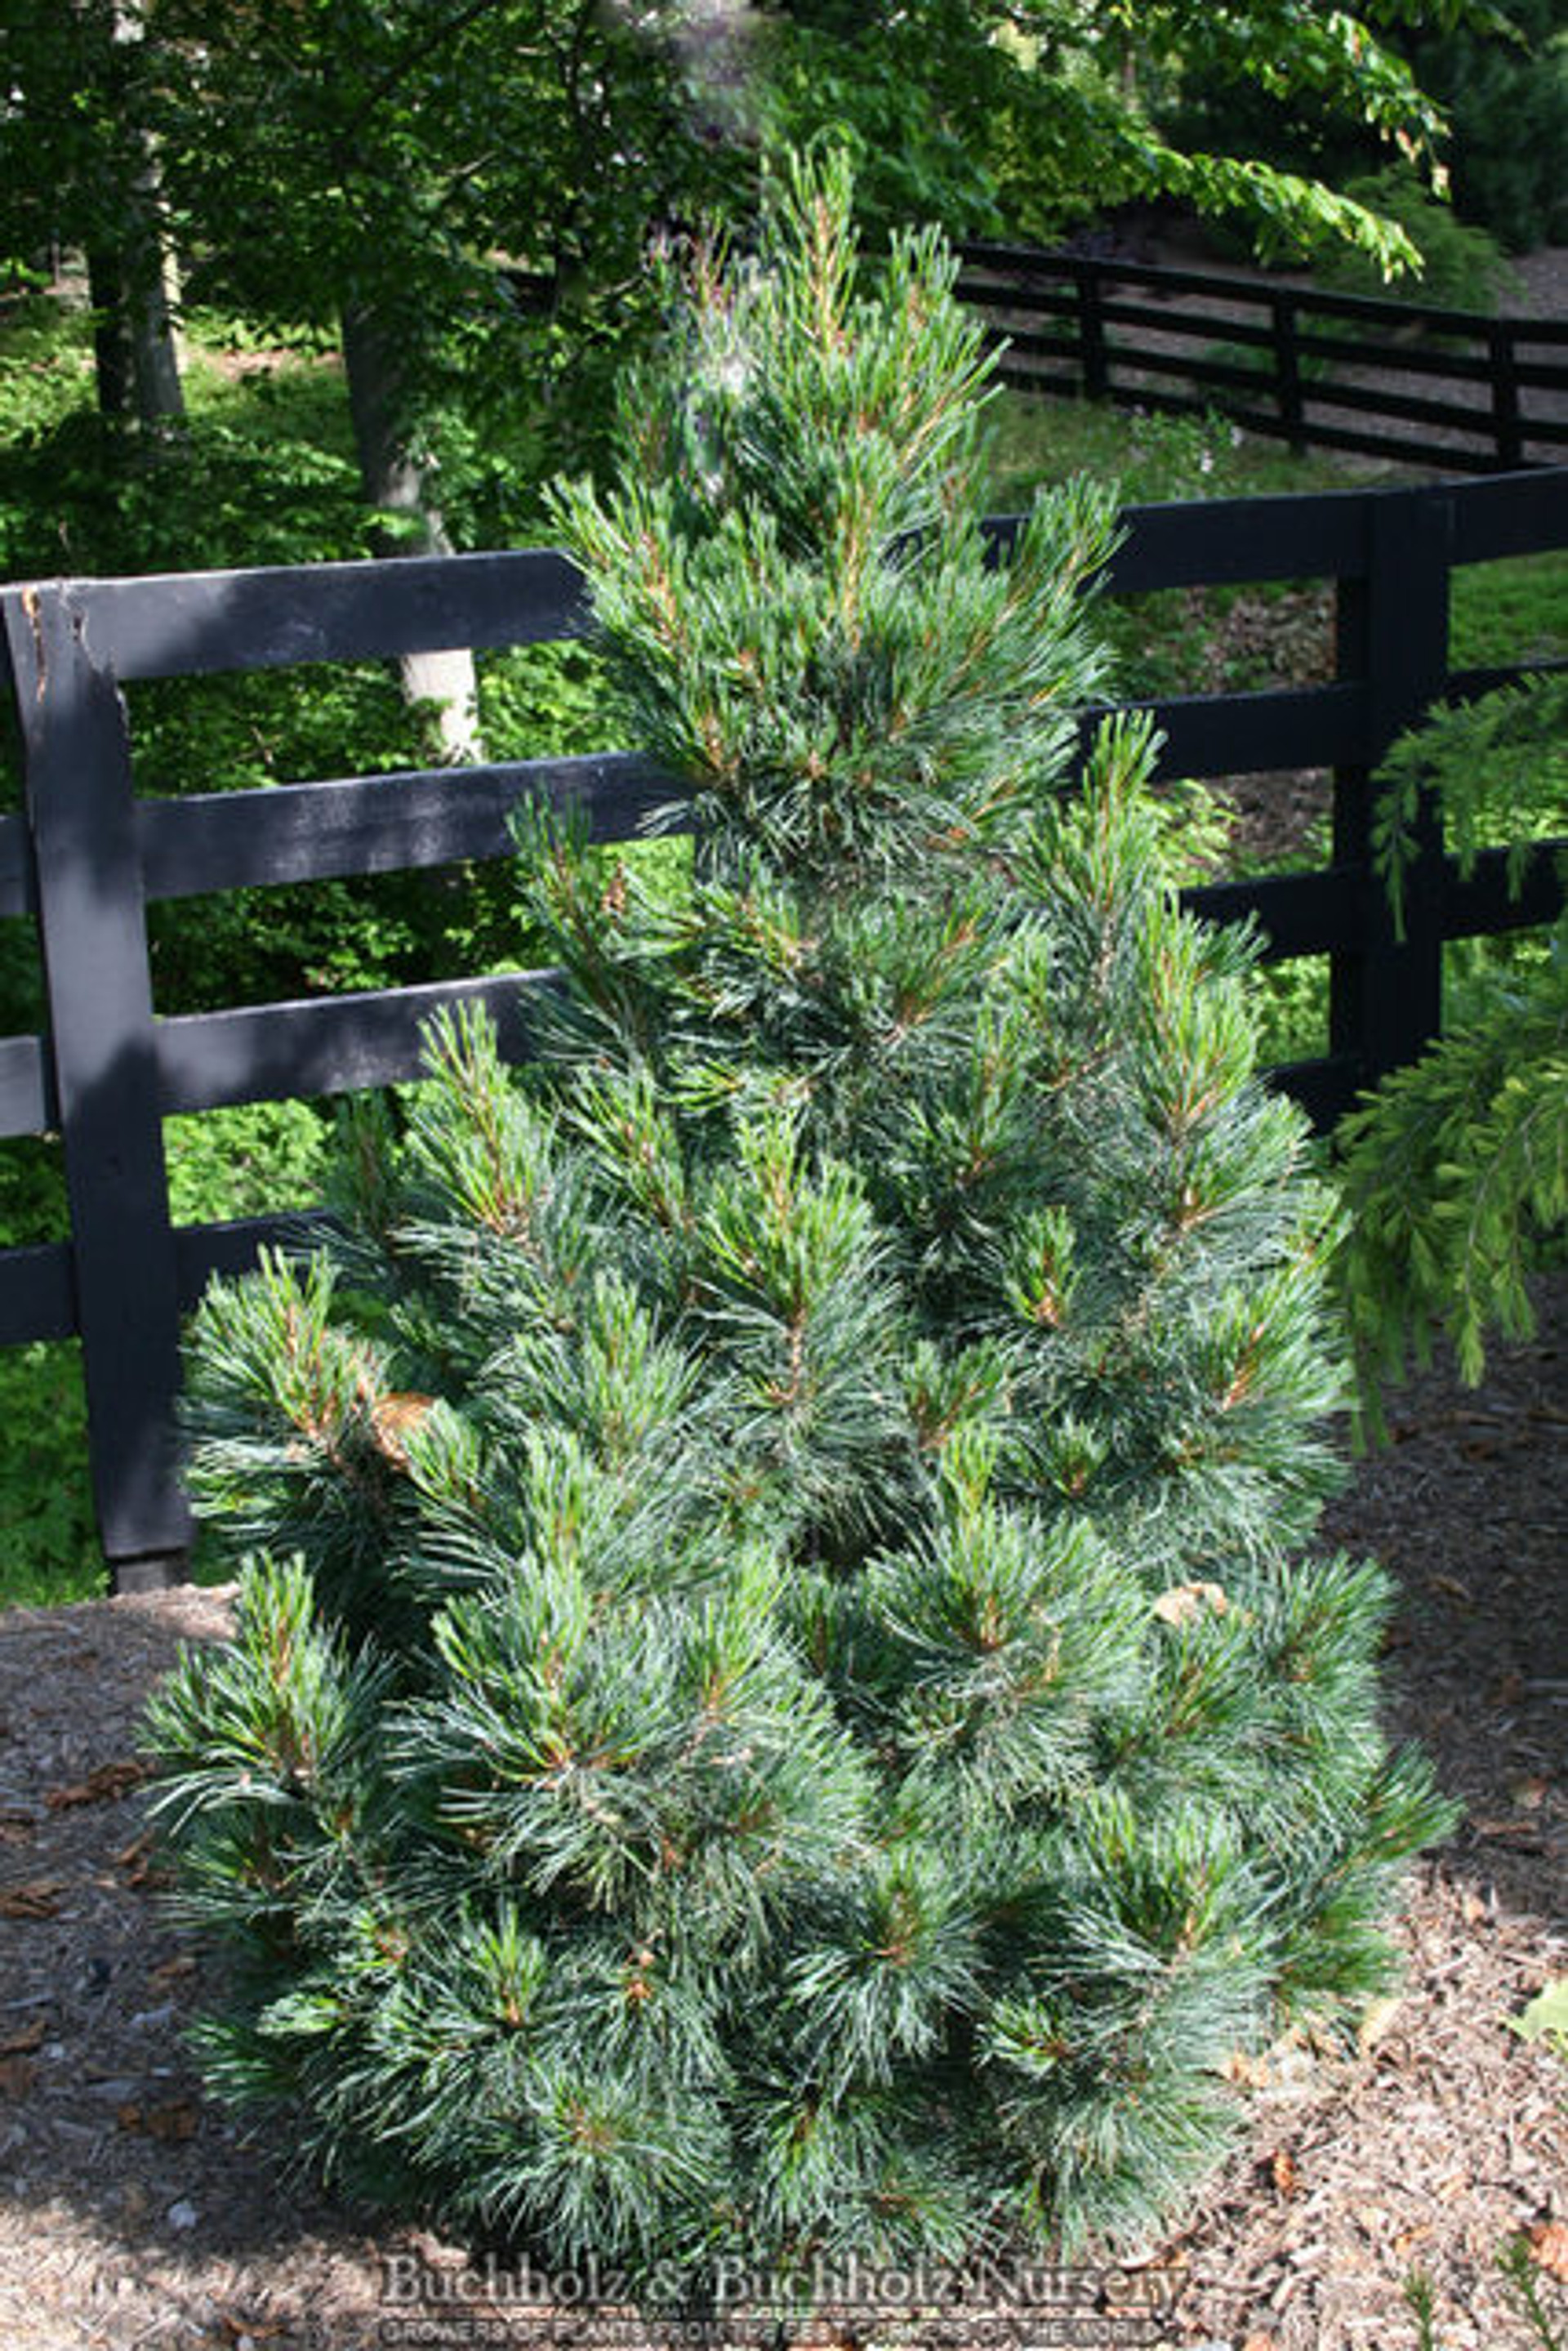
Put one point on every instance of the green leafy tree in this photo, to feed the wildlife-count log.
(784, 1699)
(1029, 117)
(1499, 75)
(390, 170)
(1504, 88)
(368, 163)
(394, 172)
(80, 166)
(1462, 268)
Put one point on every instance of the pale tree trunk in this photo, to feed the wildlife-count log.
(393, 482)
(150, 285)
(135, 346)
(152, 300)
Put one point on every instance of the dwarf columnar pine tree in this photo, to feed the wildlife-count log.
(782, 1703)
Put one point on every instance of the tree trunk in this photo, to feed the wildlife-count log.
(152, 297)
(145, 270)
(111, 339)
(136, 354)
(394, 484)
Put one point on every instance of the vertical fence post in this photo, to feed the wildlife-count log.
(1385, 999)
(1092, 332)
(1505, 425)
(1288, 372)
(92, 927)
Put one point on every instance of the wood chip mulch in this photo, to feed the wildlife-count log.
(132, 2214)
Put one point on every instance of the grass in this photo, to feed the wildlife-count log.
(1153, 457)
(1511, 611)
(268, 475)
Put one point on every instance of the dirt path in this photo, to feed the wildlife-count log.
(133, 2216)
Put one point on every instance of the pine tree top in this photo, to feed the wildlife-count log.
(790, 574)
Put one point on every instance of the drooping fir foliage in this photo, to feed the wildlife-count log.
(1455, 1170)
(784, 1703)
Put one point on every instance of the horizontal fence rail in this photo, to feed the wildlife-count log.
(1279, 360)
(89, 855)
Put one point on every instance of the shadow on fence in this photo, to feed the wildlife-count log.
(88, 855)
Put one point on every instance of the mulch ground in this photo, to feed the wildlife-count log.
(132, 2214)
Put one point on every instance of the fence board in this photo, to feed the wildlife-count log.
(1198, 324)
(1248, 733)
(1371, 400)
(1298, 914)
(1408, 358)
(379, 824)
(1028, 262)
(1011, 294)
(1267, 423)
(1482, 904)
(1030, 345)
(1218, 543)
(233, 1247)
(17, 893)
(330, 1044)
(1542, 428)
(1518, 514)
(92, 924)
(1031, 380)
(1225, 372)
(1464, 684)
(187, 624)
(26, 1094)
(1325, 1089)
(1447, 415)
(1325, 436)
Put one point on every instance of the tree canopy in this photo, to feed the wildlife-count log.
(1024, 115)
(481, 178)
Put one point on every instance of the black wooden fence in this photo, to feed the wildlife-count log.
(88, 855)
(1485, 395)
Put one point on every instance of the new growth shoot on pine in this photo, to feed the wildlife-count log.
(784, 1699)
